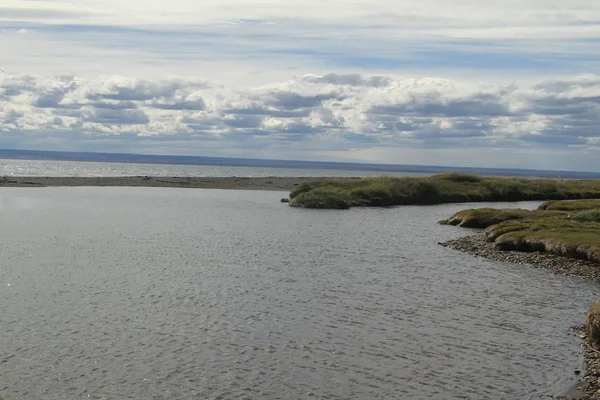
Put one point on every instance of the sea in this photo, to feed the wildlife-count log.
(168, 293)
(54, 168)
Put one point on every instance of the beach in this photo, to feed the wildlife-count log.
(233, 182)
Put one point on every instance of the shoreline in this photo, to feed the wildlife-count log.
(477, 245)
(231, 183)
(588, 385)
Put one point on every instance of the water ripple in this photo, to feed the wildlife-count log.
(165, 293)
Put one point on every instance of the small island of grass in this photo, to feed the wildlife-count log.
(451, 187)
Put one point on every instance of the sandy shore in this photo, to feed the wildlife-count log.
(240, 183)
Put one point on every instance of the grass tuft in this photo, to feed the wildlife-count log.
(321, 198)
(587, 216)
(566, 205)
(459, 177)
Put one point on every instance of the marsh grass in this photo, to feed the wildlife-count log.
(588, 216)
(437, 189)
(570, 205)
(554, 231)
(484, 217)
(323, 198)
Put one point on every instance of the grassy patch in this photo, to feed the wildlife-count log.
(321, 198)
(571, 205)
(587, 216)
(459, 177)
(554, 231)
(443, 188)
(484, 217)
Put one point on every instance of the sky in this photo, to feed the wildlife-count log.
(508, 84)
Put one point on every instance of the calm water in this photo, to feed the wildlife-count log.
(117, 293)
(81, 168)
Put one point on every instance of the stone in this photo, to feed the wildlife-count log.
(592, 324)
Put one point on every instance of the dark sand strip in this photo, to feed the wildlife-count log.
(240, 183)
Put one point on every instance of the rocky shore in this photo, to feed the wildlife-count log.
(476, 244)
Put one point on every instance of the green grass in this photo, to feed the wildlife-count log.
(587, 216)
(570, 205)
(443, 188)
(483, 217)
(322, 198)
(554, 231)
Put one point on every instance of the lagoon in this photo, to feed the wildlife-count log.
(163, 293)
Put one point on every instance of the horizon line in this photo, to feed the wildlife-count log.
(156, 159)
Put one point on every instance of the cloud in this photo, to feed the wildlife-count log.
(473, 106)
(333, 113)
(340, 79)
(118, 88)
(116, 105)
(181, 105)
(243, 121)
(40, 13)
(348, 79)
(108, 117)
(259, 15)
(255, 41)
(287, 100)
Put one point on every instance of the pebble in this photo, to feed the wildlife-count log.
(478, 245)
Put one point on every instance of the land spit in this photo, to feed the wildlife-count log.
(233, 182)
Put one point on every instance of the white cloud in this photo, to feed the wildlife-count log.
(425, 13)
(331, 113)
(252, 42)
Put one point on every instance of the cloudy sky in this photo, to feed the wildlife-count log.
(434, 82)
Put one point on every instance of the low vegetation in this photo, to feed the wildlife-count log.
(484, 217)
(570, 205)
(325, 198)
(552, 228)
(588, 216)
(443, 188)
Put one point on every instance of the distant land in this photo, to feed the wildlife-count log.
(251, 162)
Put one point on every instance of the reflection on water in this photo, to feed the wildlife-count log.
(175, 294)
(13, 203)
(81, 168)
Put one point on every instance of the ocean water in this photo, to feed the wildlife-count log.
(10, 167)
(144, 293)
